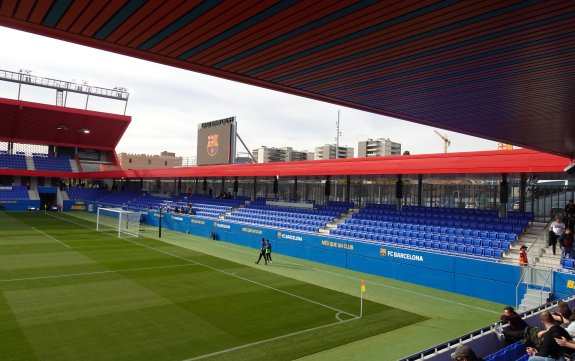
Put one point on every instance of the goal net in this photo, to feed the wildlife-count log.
(116, 220)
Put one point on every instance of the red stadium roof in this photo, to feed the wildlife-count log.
(512, 162)
(25, 122)
(502, 70)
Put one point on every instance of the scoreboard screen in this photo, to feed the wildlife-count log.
(217, 142)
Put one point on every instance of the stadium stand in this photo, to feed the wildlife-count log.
(471, 232)
(14, 193)
(304, 219)
(13, 161)
(46, 162)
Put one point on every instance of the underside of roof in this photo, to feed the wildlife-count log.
(467, 164)
(34, 123)
(501, 70)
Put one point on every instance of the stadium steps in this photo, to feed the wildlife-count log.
(533, 298)
(65, 195)
(74, 166)
(532, 239)
(544, 257)
(33, 195)
(30, 163)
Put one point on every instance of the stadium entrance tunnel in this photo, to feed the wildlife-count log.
(48, 197)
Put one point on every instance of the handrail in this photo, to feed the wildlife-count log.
(523, 273)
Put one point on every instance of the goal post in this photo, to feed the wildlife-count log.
(123, 223)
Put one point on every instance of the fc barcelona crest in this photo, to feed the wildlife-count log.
(212, 144)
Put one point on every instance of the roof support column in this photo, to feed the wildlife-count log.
(522, 192)
(348, 188)
(503, 196)
(398, 192)
(255, 188)
(419, 190)
(295, 196)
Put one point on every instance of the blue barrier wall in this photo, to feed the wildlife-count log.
(487, 280)
(19, 205)
(76, 205)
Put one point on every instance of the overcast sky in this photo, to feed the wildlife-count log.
(167, 103)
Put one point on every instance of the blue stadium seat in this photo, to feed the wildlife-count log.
(567, 263)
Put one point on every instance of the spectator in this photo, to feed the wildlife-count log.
(213, 236)
(555, 231)
(570, 222)
(465, 353)
(569, 208)
(566, 241)
(523, 261)
(549, 349)
(516, 328)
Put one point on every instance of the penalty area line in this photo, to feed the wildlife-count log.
(94, 273)
(49, 236)
(228, 273)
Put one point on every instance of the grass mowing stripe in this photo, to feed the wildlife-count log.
(49, 236)
(268, 340)
(93, 273)
(228, 273)
(233, 313)
(398, 289)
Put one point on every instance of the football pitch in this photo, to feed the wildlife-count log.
(68, 292)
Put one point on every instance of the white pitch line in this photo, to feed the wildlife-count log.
(229, 274)
(370, 282)
(49, 236)
(92, 273)
(268, 340)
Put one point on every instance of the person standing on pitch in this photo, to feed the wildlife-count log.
(268, 251)
(262, 252)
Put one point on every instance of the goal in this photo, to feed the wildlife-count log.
(117, 220)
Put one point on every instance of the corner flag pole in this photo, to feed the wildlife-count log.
(362, 291)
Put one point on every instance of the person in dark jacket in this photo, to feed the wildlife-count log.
(566, 241)
(550, 349)
(515, 330)
(268, 251)
(263, 249)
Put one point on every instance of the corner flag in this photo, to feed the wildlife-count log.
(362, 286)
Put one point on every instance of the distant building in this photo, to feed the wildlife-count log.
(378, 148)
(328, 151)
(270, 154)
(145, 161)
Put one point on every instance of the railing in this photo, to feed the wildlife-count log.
(535, 278)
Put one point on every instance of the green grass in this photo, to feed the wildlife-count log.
(68, 292)
(71, 293)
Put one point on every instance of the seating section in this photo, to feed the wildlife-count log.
(204, 206)
(13, 161)
(85, 194)
(568, 263)
(304, 219)
(14, 193)
(513, 352)
(469, 232)
(45, 162)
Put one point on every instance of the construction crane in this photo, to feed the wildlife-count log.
(446, 141)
